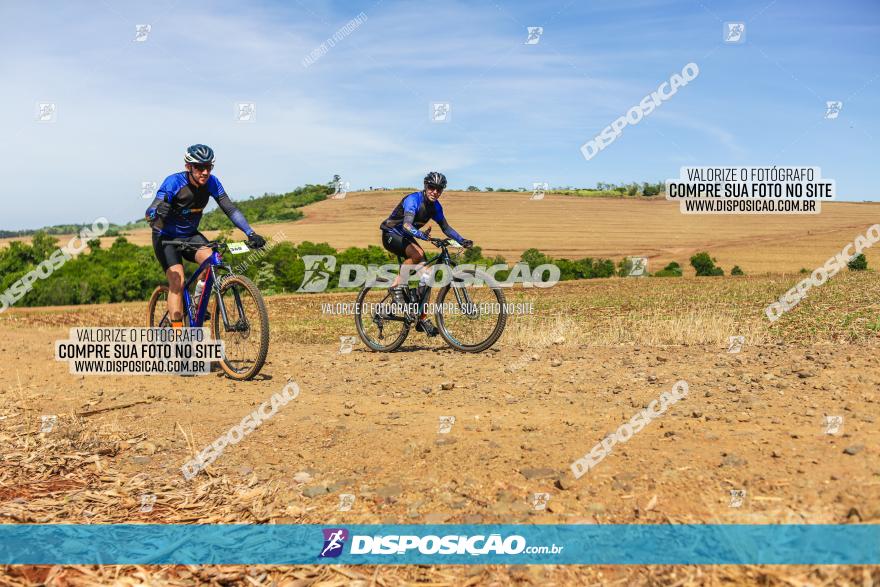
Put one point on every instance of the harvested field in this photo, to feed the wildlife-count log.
(574, 227)
(590, 355)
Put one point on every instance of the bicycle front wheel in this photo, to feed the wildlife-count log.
(245, 332)
(471, 312)
(157, 309)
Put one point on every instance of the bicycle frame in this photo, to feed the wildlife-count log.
(461, 295)
(212, 284)
(197, 319)
(443, 255)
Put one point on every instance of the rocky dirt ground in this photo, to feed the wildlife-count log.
(763, 420)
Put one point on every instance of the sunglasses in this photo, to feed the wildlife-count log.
(434, 187)
(203, 166)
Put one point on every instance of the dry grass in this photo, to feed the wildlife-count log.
(69, 476)
(598, 312)
(694, 311)
(698, 326)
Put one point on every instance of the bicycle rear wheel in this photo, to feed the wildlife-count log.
(246, 342)
(471, 317)
(380, 326)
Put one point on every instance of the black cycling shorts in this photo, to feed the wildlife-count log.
(396, 243)
(169, 255)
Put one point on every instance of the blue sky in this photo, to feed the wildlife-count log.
(126, 110)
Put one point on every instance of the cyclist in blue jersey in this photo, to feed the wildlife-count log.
(175, 215)
(403, 227)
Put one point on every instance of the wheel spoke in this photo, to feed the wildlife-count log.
(471, 316)
(379, 324)
(246, 341)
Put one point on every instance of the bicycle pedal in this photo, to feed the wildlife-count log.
(427, 328)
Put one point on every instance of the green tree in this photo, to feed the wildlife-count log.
(704, 265)
(265, 279)
(473, 188)
(43, 245)
(472, 255)
(534, 257)
(650, 190)
(673, 269)
(736, 270)
(858, 263)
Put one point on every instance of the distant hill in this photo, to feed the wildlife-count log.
(262, 209)
(60, 229)
(269, 207)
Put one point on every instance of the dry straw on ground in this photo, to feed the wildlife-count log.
(75, 474)
(70, 475)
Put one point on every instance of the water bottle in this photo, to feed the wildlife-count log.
(200, 285)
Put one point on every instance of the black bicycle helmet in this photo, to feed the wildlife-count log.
(199, 154)
(436, 178)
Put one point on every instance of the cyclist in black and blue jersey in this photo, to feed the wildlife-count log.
(403, 227)
(175, 215)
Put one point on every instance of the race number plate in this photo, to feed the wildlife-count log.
(237, 248)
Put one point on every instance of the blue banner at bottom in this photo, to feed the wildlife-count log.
(51, 544)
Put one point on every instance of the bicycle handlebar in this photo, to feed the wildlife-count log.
(443, 243)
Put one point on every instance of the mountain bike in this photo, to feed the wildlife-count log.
(238, 314)
(470, 307)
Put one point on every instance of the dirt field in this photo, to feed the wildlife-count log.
(575, 227)
(592, 354)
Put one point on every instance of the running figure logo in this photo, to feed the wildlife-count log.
(540, 501)
(148, 189)
(446, 423)
(346, 501)
(141, 32)
(734, 32)
(319, 268)
(47, 112)
(833, 424)
(334, 540)
(47, 423)
(346, 344)
(737, 497)
(832, 109)
(147, 502)
(735, 343)
(638, 266)
(246, 111)
(539, 188)
(534, 35)
(441, 112)
(341, 188)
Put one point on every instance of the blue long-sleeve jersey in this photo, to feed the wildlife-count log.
(413, 212)
(188, 203)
